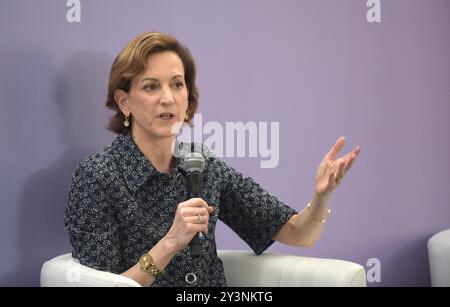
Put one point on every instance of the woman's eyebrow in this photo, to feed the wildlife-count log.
(150, 79)
(156, 79)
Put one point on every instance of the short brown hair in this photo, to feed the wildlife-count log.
(132, 61)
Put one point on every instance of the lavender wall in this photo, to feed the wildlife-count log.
(319, 68)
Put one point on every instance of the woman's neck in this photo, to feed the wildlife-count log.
(157, 150)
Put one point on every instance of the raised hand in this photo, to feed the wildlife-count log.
(331, 171)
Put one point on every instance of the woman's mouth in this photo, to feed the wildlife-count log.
(166, 116)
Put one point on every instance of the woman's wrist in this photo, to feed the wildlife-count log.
(319, 206)
(321, 200)
(162, 253)
(169, 244)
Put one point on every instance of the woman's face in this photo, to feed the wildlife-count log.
(158, 97)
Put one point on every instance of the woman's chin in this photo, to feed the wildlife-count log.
(162, 131)
(165, 133)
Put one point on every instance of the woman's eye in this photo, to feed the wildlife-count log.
(150, 87)
(179, 84)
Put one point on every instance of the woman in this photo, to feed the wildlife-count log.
(127, 210)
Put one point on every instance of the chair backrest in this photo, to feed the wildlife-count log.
(246, 269)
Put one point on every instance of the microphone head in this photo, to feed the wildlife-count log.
(193, 162)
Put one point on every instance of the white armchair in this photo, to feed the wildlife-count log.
(439, 258)
(242, 269)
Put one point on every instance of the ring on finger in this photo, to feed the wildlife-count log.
(198, 218)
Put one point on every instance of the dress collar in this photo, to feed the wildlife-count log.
(134, 165)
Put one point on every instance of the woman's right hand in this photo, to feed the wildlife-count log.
(192, 216)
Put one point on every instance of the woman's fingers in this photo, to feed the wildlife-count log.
(350, 163)
(197, 223)
(198, 219)
(330, 174)
(353, 155)
(331, 177)
(195, 213)
(186, 212)
(195, 202)
(340, 171)
(345, 163)
(336, 148)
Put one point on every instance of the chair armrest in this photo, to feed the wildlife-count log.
(64, 271)
(246, 269)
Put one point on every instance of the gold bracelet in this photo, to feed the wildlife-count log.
(314, 219)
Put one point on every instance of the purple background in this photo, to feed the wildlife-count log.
(317, 67)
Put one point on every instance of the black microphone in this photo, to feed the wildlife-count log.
(193, 165)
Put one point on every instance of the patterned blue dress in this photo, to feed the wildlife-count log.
(120, 206)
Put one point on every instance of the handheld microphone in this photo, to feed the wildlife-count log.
(193, 165)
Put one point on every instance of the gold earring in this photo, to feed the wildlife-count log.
(126, 122)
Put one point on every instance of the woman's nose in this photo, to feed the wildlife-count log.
(166, 96)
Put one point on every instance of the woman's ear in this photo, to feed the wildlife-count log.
(121, 98)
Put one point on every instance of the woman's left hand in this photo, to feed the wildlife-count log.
(331, 171)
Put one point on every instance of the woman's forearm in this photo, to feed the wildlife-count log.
(162, 253)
